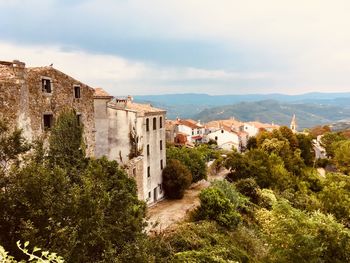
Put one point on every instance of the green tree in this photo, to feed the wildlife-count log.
(295, 236)
(215, 205)
(66, 146)
(176, 179)
(328, 141)
(12, 146)
(194, 159)
(342, 156)
(306, 148)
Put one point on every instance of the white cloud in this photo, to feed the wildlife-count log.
(118, 75)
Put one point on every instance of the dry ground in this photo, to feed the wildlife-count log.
(168, 212)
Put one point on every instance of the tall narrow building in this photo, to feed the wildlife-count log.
(133, 134)
(293, 124)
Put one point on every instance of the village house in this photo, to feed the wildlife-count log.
(133, 134)
(185, 132)
(225, 138)
(32, 98)
(254, 127)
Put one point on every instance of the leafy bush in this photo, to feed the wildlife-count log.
(249, 188)
(176, 179)
(216, 206)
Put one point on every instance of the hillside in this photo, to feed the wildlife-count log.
(308, 114)
(316, 108)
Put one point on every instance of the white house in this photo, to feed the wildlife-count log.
(192, 129)
(134, 135)
(225, 138)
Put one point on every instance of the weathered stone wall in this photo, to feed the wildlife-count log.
(24, 102)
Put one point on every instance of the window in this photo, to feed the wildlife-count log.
(192, 132)
(216, 138)
(147, 124)
(161, 144)
(79, 119)
(160, 122)
(46, 85)
(134, 172)
(222, 131)
(161, 164)
(154, 123)
(77, 92)
(149, 171)
(148, 152)
(197, 131)
(149, 195)
(48, 121)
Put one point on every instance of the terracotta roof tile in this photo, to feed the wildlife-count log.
(101, 93)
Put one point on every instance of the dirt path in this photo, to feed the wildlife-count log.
(168, 212)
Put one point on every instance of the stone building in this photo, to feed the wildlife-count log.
(31, 99)
(133, 134)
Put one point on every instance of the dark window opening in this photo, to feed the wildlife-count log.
(216, 138)
(147, 124)
(46, 85)
(154, 123)
(222, 131)
(149, 195)
(161, 164)
(148, 171)
(161, 144)
(77, 92)
(48, 121)
(148, 151)
(161, 122)
(79, 119)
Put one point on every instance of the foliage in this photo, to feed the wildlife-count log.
(207, 242)
(328, 141)
(194, 159)
(252, 143)
(12, 145)
(342, 156)
(249, 188)
(216, 205)
(176, 179)
(45, 257)
(83, 221)
(66, 146)
(335, 197)
(319, 130)
(295, 236)
(306, 148)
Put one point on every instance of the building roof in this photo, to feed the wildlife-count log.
(220, 123)
(189, 123)
(128, 104)
(100, 93)
(260, 125)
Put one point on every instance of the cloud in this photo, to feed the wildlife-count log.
(118, 75)
(222, 46)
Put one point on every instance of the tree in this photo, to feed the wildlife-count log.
(328, 141)
(216, 206)
(194, 159)
(12, 146)
(306, 147)
(66, 146)
(176, 179)
(342, 156)
(252, 143)
(295, 236)
(290, 137)
(86, 220)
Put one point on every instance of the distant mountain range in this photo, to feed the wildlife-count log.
(311, 108)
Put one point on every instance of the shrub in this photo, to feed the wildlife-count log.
(249, 188)
(216, 206)
(176, 178)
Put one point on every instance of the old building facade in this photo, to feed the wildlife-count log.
(31, 99)
(133, 134)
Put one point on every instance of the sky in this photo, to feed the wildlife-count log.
(185, 46)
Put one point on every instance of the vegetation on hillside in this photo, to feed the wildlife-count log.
(273, 207)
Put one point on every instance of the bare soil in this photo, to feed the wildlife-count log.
(167, 213)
